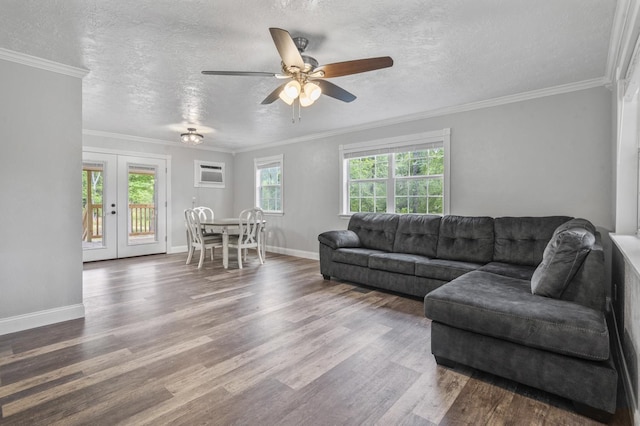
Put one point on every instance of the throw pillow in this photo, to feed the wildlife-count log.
(562, 258)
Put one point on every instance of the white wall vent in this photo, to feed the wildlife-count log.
(208, 174)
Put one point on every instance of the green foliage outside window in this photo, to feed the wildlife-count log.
(95, 187)
(141, 188)
(417, 182)
(373, 167)
(270, 186)
(368, 196)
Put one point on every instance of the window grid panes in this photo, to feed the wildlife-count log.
(269, 187)
(368, 183)
(415, 179)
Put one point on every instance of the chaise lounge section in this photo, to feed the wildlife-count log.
(520, 297)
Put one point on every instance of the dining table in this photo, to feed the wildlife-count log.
(230, 226)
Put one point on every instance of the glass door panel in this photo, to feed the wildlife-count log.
(98, 195)
(92, 208)
(142, 224)
(142, 216)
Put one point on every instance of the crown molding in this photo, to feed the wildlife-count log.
(141, 139)
(504, 100)
(44, 64)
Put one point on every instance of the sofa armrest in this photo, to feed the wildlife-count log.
(339, 239)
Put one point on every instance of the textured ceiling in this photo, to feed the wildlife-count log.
(145, 58)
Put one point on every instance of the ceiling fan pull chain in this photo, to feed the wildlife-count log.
(293, 112)
(299, 111)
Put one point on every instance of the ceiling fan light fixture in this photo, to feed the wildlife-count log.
(292, 89)
(191, 137)
(312, 90)
(305, 100)
(286, 98)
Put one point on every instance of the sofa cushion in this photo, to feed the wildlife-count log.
(442, 269)
(522, 272)
(339, 239)
(401, 263)
(504, 308)
(521, 240)
(375, 230)
(465, 238)
(354, 256)
(417, 234)
(562, 258)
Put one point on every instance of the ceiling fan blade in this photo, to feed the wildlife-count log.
(273, 96)
(241, 73)
(334, 91)
(339, 69)
(286, 48)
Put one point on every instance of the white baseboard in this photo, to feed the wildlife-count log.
(40, 318)
(296, 253)
(626, 376)
(177, 249)
(289, 252)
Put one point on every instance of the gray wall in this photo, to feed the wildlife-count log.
(545, 156)
(182, 189)
(40, 232)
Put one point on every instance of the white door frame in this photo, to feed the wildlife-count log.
(167, 158)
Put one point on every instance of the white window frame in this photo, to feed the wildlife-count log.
(198, 183)
(263, 163)
(395, 144)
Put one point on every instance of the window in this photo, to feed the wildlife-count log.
(268, 175)
(399, 175)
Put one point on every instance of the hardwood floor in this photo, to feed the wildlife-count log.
(163, 342)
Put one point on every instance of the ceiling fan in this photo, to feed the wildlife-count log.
(306, 79)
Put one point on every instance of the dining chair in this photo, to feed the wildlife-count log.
(206, 215)
(189, 238)
(198, 241)
(250, 224)
(262, 240)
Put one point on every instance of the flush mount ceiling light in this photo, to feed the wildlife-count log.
(191, 138)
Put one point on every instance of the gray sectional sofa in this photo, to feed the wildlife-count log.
(520, 297)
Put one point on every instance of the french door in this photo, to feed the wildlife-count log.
(123, 206)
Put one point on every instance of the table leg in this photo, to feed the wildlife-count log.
(263, 243)
(225, 248)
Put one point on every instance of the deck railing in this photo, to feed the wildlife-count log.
(142, 221)
(92, 222)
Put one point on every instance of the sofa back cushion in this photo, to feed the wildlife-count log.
(375, 230)
(466, 238)
(417, 234)
(522, 240)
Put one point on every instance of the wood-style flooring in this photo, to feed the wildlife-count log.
(275, 344)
